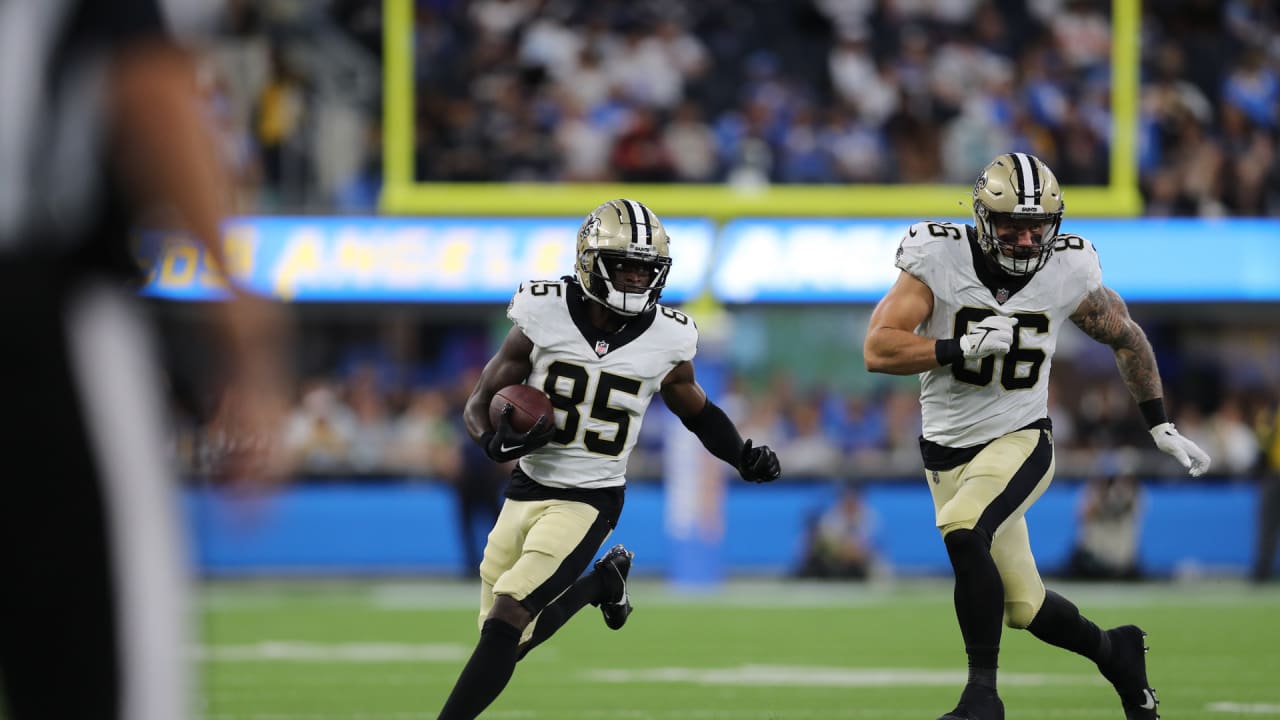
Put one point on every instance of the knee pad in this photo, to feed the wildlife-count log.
(965, 548)
(1018, 614)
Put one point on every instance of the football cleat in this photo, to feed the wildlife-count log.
(613, 568)
(1126, 670)
(977, 703)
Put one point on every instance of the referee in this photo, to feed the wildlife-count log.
(99, 124)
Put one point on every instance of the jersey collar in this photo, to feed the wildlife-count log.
(1002, 286)
(601, 342)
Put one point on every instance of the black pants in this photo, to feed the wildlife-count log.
(1268, 526)
(92, 609)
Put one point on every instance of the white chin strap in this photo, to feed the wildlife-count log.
(1014, 266)
(625, 303)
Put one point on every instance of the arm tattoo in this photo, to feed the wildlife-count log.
(1104, 317)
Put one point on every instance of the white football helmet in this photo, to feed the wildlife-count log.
(1017, 191)
(618, 236)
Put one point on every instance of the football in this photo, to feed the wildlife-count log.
(530, 403)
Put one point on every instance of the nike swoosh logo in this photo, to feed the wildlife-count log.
(1150, 704)
(504, 448)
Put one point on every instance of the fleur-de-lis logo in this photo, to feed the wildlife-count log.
(980, 183)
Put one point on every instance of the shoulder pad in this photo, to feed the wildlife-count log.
(680, 330)
(922, 239)
(531, 295)
(1079, 258)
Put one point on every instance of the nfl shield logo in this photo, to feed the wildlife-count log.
(1002, 295)
(602, 347)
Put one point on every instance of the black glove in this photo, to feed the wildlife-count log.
(758, 464)
(504, 443)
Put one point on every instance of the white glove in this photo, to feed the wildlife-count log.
(992, 336)
(1169, 440)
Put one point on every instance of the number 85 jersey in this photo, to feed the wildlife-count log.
(975, 401)
(600, 383)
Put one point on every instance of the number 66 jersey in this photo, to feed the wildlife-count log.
(600, 383)
(975, 401)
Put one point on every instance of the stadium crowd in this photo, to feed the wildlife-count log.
(377, 420)
(753, 92)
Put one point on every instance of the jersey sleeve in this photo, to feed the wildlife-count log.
(678, 332)
(528, 309)
(918, 251)
(1082, 264)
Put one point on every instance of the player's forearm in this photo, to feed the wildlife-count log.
(475, 416)
(899, 352)
(1137, 363)
(716, 432)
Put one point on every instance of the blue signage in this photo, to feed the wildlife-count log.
(757, 260)
(397, 259)
(1145, 260)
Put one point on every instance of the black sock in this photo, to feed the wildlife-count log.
(1060, 623)
(486, 673)
(979, 600)
(586, 590)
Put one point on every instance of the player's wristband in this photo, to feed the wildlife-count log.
(1153, 412)
(947, 351)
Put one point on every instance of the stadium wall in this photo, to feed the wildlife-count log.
(353, 529)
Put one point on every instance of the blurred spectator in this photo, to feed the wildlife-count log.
(840, 541)
(278, 119)
(1230, 440)
(810, 452)
(370, 434)
(1268, 425)
(424, 442)
(639, 154)
(320, 431)
(1110, 519)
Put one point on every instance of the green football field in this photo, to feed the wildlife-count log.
(749, 651)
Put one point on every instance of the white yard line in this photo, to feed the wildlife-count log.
(1272, 709)
(309, 652)
(824, 676)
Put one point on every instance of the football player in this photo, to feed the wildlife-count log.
(976, 311)
(599, 344)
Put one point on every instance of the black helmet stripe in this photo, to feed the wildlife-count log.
(641, 231)
(1028, 178)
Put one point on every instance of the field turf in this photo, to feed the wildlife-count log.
(391, 650)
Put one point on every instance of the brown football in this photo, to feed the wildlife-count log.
(530, 403)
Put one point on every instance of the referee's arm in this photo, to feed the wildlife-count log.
(166, 154)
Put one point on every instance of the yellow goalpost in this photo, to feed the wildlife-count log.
(403, 196)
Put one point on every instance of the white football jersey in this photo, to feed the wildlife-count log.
(600, 383)
(976, 401)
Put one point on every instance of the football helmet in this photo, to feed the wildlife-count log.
(1017, 192)
(623, 257)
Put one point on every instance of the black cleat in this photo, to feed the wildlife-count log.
(977, 703)
(613, 569)
(1126, 670)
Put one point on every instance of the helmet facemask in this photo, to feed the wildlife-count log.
(627, 283)
(1003, 239)
(623, 259)
(1017, 208)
